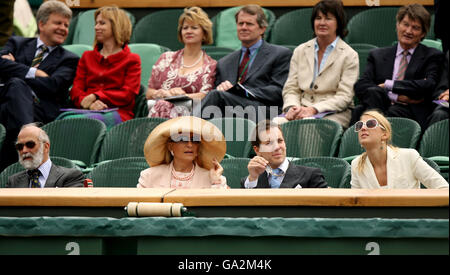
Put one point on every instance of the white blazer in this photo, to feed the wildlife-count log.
(405, 170)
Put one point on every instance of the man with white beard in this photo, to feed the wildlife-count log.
(33, 147)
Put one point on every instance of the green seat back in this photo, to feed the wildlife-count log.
(337, 172)
(363, 52)
(349, 145)
(437, 44)
(17, 167)
(237, 132)
(123, 172)
(311, 137)
(127, 139)
(286, 30)
(2, 135)
(78, 49)
(376, 26)
(405, 132)
(216, 52)
(149, 54)
(225, 29)
(84, 32)
(435, 140)
(76, 138)
(159, 27)
(234, 169)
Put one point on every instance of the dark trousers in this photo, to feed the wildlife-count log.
(225, 104)
(440, 113)
(17, 108)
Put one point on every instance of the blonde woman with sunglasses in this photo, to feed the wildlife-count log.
(384, 166)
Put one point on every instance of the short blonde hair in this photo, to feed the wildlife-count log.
(120, 23)
(198, 16)
(387, 128)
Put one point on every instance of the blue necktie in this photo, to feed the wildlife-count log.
(34, 178)
(275, 178)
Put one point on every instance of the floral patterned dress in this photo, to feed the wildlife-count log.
(166, 75)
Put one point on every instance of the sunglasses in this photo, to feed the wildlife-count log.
(28, 144)
(182, 138)
(370, 124)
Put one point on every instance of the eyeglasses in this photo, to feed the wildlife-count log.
(29, 144)
(370, 124)
(183, 138)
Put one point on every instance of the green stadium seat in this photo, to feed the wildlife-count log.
(127, 139)
(234, 169)
(337, 172)
(287, 30)
(376, 26)
(311, 137)
(124, 172)
(78, 49)
(77, 139)
(435, 145)
(216, 52)
(149, 54)
(140, 103)
(159, 27)
(363, 50)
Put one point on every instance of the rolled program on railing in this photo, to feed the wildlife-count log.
(153, 209)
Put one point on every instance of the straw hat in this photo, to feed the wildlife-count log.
(212, 144)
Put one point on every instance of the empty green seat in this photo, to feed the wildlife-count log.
(123, 172)
(237, 132)
(159, 27)
(234, 169)
(77, 139)
(149, 54)
(363, 51)
(292, 28)
(435, 145)
(127, 139)
(337, 172)
(376, 26)
(311, 137)
(78, 49)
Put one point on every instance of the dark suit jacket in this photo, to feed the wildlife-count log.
(60, 65)
(307, 177)
(421, 76)
(58, 177)
(266, 76)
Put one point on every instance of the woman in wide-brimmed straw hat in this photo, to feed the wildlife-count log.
(184, 152)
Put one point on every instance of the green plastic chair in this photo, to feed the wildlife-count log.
(84, 32)
(77, 139)
(216, 52)
(234, 169)
(17, 167)
(78, 49)
(2, 135)
(127, 139)
(435, 145)
(437, 44)
(337, 172)
(433, 165)
(124, 172)
(405, 134)
(225, 29)
(159, 27)
(374, 26)
(140, 103)
(311, 137)
(363, 51)
(292, 28)
(149, 54)
(237, 132)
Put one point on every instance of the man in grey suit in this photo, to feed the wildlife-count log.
(271, 169)
(33, 147)
(251, 78)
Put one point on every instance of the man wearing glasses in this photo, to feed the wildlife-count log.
(33, 147)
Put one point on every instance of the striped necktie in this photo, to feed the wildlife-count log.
(243, 67)
(38, 59)
(403, 65)
(34, 178)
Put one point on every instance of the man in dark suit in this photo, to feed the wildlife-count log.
(259, 67)
(33, 147)
(441, 93)
(400, 80)
(271, 169)
(35, 74)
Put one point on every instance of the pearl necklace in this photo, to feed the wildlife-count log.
(188, 177)
(193, 65)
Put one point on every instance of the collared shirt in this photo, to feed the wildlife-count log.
(389, 83)
(328, 50)
(32, 71)
(284, 166)
(45, 171)
(253, 50)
